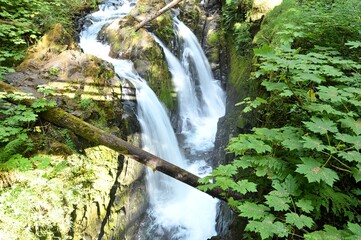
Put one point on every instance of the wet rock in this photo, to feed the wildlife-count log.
(111, 197)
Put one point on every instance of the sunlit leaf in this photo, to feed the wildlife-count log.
(278, 203)
(268, 227)
(354, 125)
(314, 171)
(305, 205)
(313, 143)
(244, 186)
(321, 125)
(300, 221)
(253, 210)
(351, 156)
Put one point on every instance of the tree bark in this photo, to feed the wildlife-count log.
(157, 14)
(97, 136)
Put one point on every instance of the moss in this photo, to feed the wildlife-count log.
(159, 78)
(163, 26)
(275, 21)
(240, 70)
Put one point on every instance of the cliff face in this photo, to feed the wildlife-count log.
(86, 191)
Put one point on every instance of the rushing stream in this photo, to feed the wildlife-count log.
(176, 210)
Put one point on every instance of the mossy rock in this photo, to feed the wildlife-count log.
(140, 47)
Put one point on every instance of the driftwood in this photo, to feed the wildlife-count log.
(157, 14)
(95, 135)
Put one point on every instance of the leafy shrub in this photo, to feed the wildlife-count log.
(310, 160)
(24, 21)
(298, 173)
(15, 125)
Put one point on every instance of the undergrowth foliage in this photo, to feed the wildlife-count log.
(312, 163)
(22, 22)
(16, 123)
(299, 173)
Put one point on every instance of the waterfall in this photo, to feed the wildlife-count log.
(176, 211)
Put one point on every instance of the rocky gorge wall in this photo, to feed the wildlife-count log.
(87, 192)
(99, 193)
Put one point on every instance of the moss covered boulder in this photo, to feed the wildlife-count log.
(80, 191)
(141, 48)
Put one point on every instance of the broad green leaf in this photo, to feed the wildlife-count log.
(351, 156)
(269, 162)
(291, 138)
(305, 205)
(207, 187)
(225, 170)
(278, 203)
(353, 44)
(264, 51)
(313, 143)
(354, 125)
(292, 186)
(313, 171)
(330, 71)
(244, 142)
(244, 186)
(267, 133)
(356, 172)
(225, 183)
(253, 210)
(286, 93)
(269, 67)
(321, 125)
(354, 140)
(321, 108)
(267, 228)
(272, 86)
(300, 221)
(310, 77)
(242, 163)
(331, 94)
(355, 229)
(330, 233)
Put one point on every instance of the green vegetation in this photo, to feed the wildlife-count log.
(299, 170)
(16, 122)
(22, 22)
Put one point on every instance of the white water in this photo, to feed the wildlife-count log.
(176, 211)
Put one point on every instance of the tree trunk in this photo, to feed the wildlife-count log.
(97, 136)
(157, 14)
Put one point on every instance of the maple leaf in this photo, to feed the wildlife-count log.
(354, 125)
(272, 86)
(278, 203)
(253, 210)
(321, 125)
(355, 229)
(356, 172)
(305, 205)
(313, 143)
(299, 221)
(317, 107)
(313, 171)
(331, 94)
(351, 156)
(354, 140)
(244, 186)
(225, 170)
(267, 228)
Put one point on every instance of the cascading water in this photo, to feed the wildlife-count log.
(176, 211)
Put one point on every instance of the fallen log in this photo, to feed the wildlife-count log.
(97, 136)
(157, 14)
